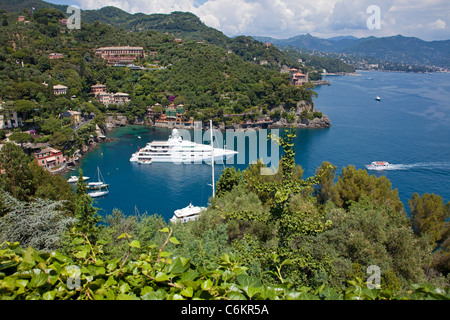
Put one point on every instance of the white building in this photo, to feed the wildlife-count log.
(9, 119)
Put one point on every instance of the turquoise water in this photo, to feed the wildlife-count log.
(409, 127)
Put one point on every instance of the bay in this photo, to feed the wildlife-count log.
(409, 127)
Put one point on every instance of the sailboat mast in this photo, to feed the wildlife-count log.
(212, 158)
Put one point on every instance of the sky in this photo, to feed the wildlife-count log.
(425, 19)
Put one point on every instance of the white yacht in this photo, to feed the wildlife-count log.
(189, 213)
(74, 179)
(177, 150)
(378, 165)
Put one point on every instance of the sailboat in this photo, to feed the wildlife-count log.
(100, 187)
(191, 212)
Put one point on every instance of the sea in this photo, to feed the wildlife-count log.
(409, 127)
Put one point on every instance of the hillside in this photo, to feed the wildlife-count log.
(395, 49)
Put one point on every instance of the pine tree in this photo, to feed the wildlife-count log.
(85, 212)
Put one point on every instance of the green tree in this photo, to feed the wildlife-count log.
(429, 215)
(24, 107)
(352, 184)
(17, 177)
(85, 213)
(228, 180)
(323, 190)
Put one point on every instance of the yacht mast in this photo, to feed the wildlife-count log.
(212, 157)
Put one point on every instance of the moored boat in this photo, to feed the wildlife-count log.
(177, 150)
(100, 187)
(74, 179)
(189, 213)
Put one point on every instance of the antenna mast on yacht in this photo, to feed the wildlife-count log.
(212, 157)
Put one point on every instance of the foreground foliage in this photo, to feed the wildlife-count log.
(28, 274)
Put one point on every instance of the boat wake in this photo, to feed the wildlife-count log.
(419, 165)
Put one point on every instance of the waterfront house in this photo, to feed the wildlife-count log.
(297, 78)
(59, 89)
(49, 158)
(120, 55)
(21, 19)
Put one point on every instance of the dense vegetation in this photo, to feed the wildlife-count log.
(262, 237)
(212, 81)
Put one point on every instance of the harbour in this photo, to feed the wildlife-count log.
(401, 129)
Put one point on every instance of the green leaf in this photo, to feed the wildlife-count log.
(188, 292)
(174, 240)
(38, 280)
(161, 277)
(165, 254)
(207, 285)
(134, 244)
(234, 295)
(110, 282)
(288, 262)
(58, 256)
(164, 230)
(49, 295)
(124, 236)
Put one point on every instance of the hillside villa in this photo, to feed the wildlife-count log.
(120, 55)
(99, 91)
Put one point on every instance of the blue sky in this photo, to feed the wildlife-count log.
(425, 19)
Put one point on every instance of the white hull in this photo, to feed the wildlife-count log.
(74, 179)
(97, 194)
(175, 150)
(378, 165)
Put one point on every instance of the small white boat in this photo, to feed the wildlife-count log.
(74, 179)
(378, 98)
(189, 213)
(378, 165)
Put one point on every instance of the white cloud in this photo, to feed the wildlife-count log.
(438, 25)
(286, 18)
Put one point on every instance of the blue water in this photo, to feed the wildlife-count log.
(409, 127)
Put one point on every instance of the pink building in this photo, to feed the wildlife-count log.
(49, 158)
(98, 88)
(122, 55)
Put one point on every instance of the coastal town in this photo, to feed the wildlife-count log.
(170, 115)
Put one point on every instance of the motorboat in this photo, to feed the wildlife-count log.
(189, 213)
(74, 179)
(378, 98)
(177, 150)
(378, 165)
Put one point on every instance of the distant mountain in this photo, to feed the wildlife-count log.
(399, 49)
(181, 24)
